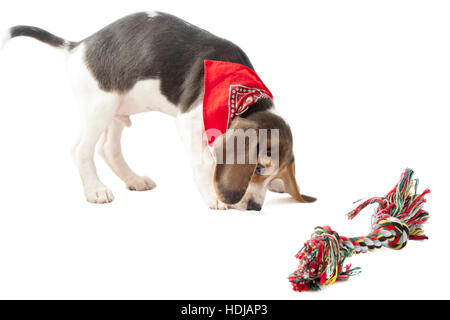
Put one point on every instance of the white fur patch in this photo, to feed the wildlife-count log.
(146, 96)
(152, 14)
(5, 38)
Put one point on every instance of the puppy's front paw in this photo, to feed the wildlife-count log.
(138, 183)
(222, 206)
(217, 205)
(99, 195)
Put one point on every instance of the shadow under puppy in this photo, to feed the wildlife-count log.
(154, 61)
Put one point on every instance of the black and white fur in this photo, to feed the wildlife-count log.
(143, 62)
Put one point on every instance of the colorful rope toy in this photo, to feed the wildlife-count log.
(398, 218)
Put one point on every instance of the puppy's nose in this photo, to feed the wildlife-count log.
(253, 206)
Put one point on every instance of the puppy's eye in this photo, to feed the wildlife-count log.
(259, 169)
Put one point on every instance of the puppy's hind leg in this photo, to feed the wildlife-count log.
(111, 151)
(96, 116)
(97, 109)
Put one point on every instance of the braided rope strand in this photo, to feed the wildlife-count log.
(398, 218)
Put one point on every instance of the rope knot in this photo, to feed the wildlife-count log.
(394, 231)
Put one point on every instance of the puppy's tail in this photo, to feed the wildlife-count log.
(38, 34)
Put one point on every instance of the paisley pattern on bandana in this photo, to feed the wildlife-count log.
(241, 98)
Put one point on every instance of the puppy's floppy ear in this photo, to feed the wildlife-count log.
(287, 175)
(235, 161)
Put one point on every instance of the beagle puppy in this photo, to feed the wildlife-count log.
(157, 62)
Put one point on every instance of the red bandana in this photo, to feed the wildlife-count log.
(230, 89)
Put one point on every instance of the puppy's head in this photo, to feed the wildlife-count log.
(255, 152)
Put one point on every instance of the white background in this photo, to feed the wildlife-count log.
(365, 87)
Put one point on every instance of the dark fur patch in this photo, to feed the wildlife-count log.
(139, 47)
(41, 35)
